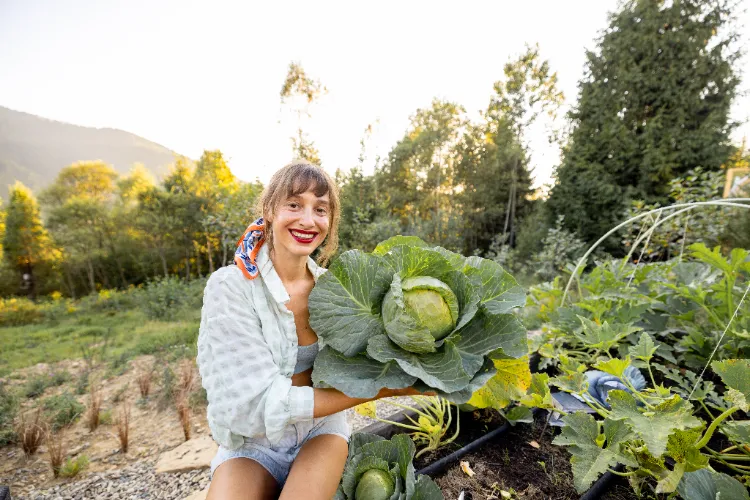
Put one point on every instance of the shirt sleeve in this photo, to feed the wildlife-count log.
(247, 392)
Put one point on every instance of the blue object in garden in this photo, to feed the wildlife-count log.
(600, 383)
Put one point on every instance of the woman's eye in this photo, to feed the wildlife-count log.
(293, 205)
(322, 211)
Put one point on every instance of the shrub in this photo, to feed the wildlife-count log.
(167, 395)
(36, 386)
(8, 411)
(82, 385)
(59, 378)
(56, 452)
(19, 312)
(73, 466)
(30, 430)
(161, 298)
(123, 428)
(62, 410)
(95, 404)
(105, 417)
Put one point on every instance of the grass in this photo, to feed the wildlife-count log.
(73, 466)
(62, 410)
(122, 422)
(30, 431)
(128, 334)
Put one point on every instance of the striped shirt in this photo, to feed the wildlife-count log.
(247, 352)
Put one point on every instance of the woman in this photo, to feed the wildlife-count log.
(277, 434)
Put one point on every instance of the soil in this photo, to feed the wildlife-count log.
(510, 463)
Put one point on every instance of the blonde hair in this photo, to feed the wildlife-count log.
(296, 178)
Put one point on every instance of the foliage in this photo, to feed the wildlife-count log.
(377, 469)
(62, 410)
(162, 298)
(370, 331)
(73, 466)
(8, 409)
(654, 103)
(433, 418)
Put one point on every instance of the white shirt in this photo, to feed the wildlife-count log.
(247, 351)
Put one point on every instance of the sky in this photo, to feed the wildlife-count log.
(207, 75)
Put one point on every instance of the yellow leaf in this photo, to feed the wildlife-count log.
(534, 444)
(467, 470)
(366, 409)
(509, 384)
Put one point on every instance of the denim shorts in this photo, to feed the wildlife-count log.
(277, 459)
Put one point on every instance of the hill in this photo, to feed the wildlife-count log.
(34, 149)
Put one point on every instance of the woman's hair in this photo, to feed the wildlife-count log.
(296, 178)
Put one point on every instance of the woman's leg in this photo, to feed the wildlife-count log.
(242, 478)
(316, 472)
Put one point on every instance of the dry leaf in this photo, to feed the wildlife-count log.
(505, 494)
(467, 470)
(534, 444)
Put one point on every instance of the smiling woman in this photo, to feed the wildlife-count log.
(278, 436)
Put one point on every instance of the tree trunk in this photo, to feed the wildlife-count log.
(163, 262)
(90, 269)
(187, 260)
(198, 263)
(210, 254)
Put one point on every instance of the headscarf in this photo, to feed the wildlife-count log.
(248, 247)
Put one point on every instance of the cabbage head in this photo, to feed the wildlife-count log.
(409, 314)
(381, 469)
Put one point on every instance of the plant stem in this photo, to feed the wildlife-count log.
(712, 428)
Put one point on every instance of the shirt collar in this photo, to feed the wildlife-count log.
(272, 279)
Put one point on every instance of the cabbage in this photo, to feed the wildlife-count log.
(381, 469)
(409, 314)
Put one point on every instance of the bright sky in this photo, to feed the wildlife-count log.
(205, 75)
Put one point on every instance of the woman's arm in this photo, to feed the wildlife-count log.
(330, 401)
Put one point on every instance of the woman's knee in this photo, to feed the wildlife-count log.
(242, 478)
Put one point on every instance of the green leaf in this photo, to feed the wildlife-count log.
(519, 415)
(713, 257)
(653, 427)
(539, 395)
(603, 336)
(426, 489)
(357, 376)
(709, 485)
(688, 458)
(385, 246)
(443, 370)
(572, 382)
(415, 261)
(590, 455)
(644, 349)
(738, 431)
(498, 291)
(614, 366)
(735, 373)
(490, 333)
(509, 384)
(345, 302)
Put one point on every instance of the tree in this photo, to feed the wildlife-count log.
(299, 91)
(26, 243)
(653, 105)
(417, 176)
(493, 174)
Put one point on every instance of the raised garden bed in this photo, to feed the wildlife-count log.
(503, 459)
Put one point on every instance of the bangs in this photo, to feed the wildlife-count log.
(307, 178)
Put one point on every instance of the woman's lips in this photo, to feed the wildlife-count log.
(301, 236)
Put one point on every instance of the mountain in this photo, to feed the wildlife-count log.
(33, 149)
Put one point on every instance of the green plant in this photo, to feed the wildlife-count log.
(30, 431)
(105, 417)
(82, 384)
(62, 410)
(380, 469)
(433, 418)
(19, 312)
(162, 298)
(646, 429)
(8, 410)
(36, 385)
(168, 389)
(73, 466)
(377, 317)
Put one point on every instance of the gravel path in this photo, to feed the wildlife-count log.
(139, 481)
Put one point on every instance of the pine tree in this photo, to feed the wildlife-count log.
(654, 104)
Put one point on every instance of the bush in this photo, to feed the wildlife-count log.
(19, 312)
(72, 467)
(8, 411)
(161, 298)
(62, 410)
(36, 386)
(168, 389)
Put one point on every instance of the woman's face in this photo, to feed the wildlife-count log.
(300, 224)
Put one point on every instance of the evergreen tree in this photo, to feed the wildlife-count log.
(654, 103)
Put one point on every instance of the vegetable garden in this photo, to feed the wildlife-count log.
(634, 384)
